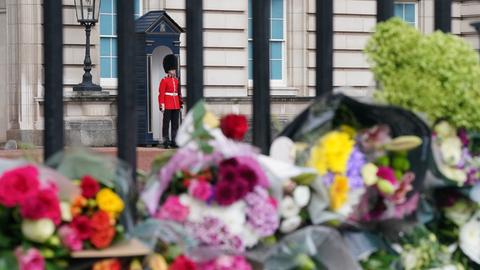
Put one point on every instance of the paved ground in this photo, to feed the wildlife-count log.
(145, 156)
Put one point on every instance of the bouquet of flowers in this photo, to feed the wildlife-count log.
(30, 215)
(456, 155)
(368, 158)
(94, 217)
(215, 189)
(417, 250)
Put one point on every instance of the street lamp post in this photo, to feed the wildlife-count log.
(87, 15)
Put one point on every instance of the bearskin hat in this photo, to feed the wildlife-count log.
(170, 62)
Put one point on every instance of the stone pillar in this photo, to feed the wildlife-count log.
(297, 45)
(25, 68)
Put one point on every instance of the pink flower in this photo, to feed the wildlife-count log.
(30, 259)
(70, 238)
(173, 209)
(227, 263)
(200, 190)
(44, 204)
(388, 174)
(18, 184)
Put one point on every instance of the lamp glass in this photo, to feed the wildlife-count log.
(87, 10)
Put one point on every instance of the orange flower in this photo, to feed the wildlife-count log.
(339, 192)
(110, 264)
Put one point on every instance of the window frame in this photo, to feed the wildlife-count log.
(273, 82)
(111, 82)
(415, 5)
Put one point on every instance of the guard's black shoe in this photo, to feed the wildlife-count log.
(173, 145)
(166, 144)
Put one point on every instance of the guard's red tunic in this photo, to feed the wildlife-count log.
(169, 93)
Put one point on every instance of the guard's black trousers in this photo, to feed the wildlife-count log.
(173, 117)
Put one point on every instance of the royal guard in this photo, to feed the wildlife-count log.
(170, 101)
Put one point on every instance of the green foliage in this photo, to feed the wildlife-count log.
(437, 74)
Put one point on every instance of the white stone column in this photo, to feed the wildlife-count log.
(297, 24)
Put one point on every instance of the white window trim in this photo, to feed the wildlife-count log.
(415, 4)
(283, 82)
(111, 83)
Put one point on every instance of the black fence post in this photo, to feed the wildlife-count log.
(384, 10)
(53, 136)
(194, 52)
(443, 15)
(261, 74)
(324, 52)
(127, 116)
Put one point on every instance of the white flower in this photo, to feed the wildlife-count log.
(470, 238)
(288, 207)
(444, 129)
(454, 174)
(66, 213)
(369, 174)
(38, 230)
(290, 224)
(301, 195)
(451, 149)
(249, 237)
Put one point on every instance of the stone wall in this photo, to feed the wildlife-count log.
(3, 71)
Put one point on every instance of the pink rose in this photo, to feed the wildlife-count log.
(29, 260)
(70, 238)
(18, 184)
(173, 209)
(44, 204)
(200, 190)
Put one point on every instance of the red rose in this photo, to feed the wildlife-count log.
(18, 184)
(44, 204)
(100, 220)
(234, 126)
(102, 238)
(89, 186)
(182, 263)
(83, 226)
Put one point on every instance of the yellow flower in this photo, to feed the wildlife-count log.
(157, 262)
(339, 192)
(210, 120)
(332, 153)
(109, 201)
(349, 130)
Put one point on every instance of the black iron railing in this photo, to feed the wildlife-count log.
(126, 126)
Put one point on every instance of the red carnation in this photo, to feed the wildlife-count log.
(89, 186)
(18, 184)
(102, 238)
(83, 226)
(182, 263)
(100, 220)
(234, 126)
(44, 204)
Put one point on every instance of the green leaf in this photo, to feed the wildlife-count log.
(8, 260)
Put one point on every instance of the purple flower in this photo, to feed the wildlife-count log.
(212, 232)
(328, 179)
(261, 214)
(354, 168)
(463, 136)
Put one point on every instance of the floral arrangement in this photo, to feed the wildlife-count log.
(223, 201)
(455, 154)
(93, 222)
(293, 207)
(30, 214)
(417, 250)
(221, 263)
(366, 172)
(216, 190)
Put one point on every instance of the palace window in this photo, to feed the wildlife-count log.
(407, 11)
(108, 37)
(277, 42)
